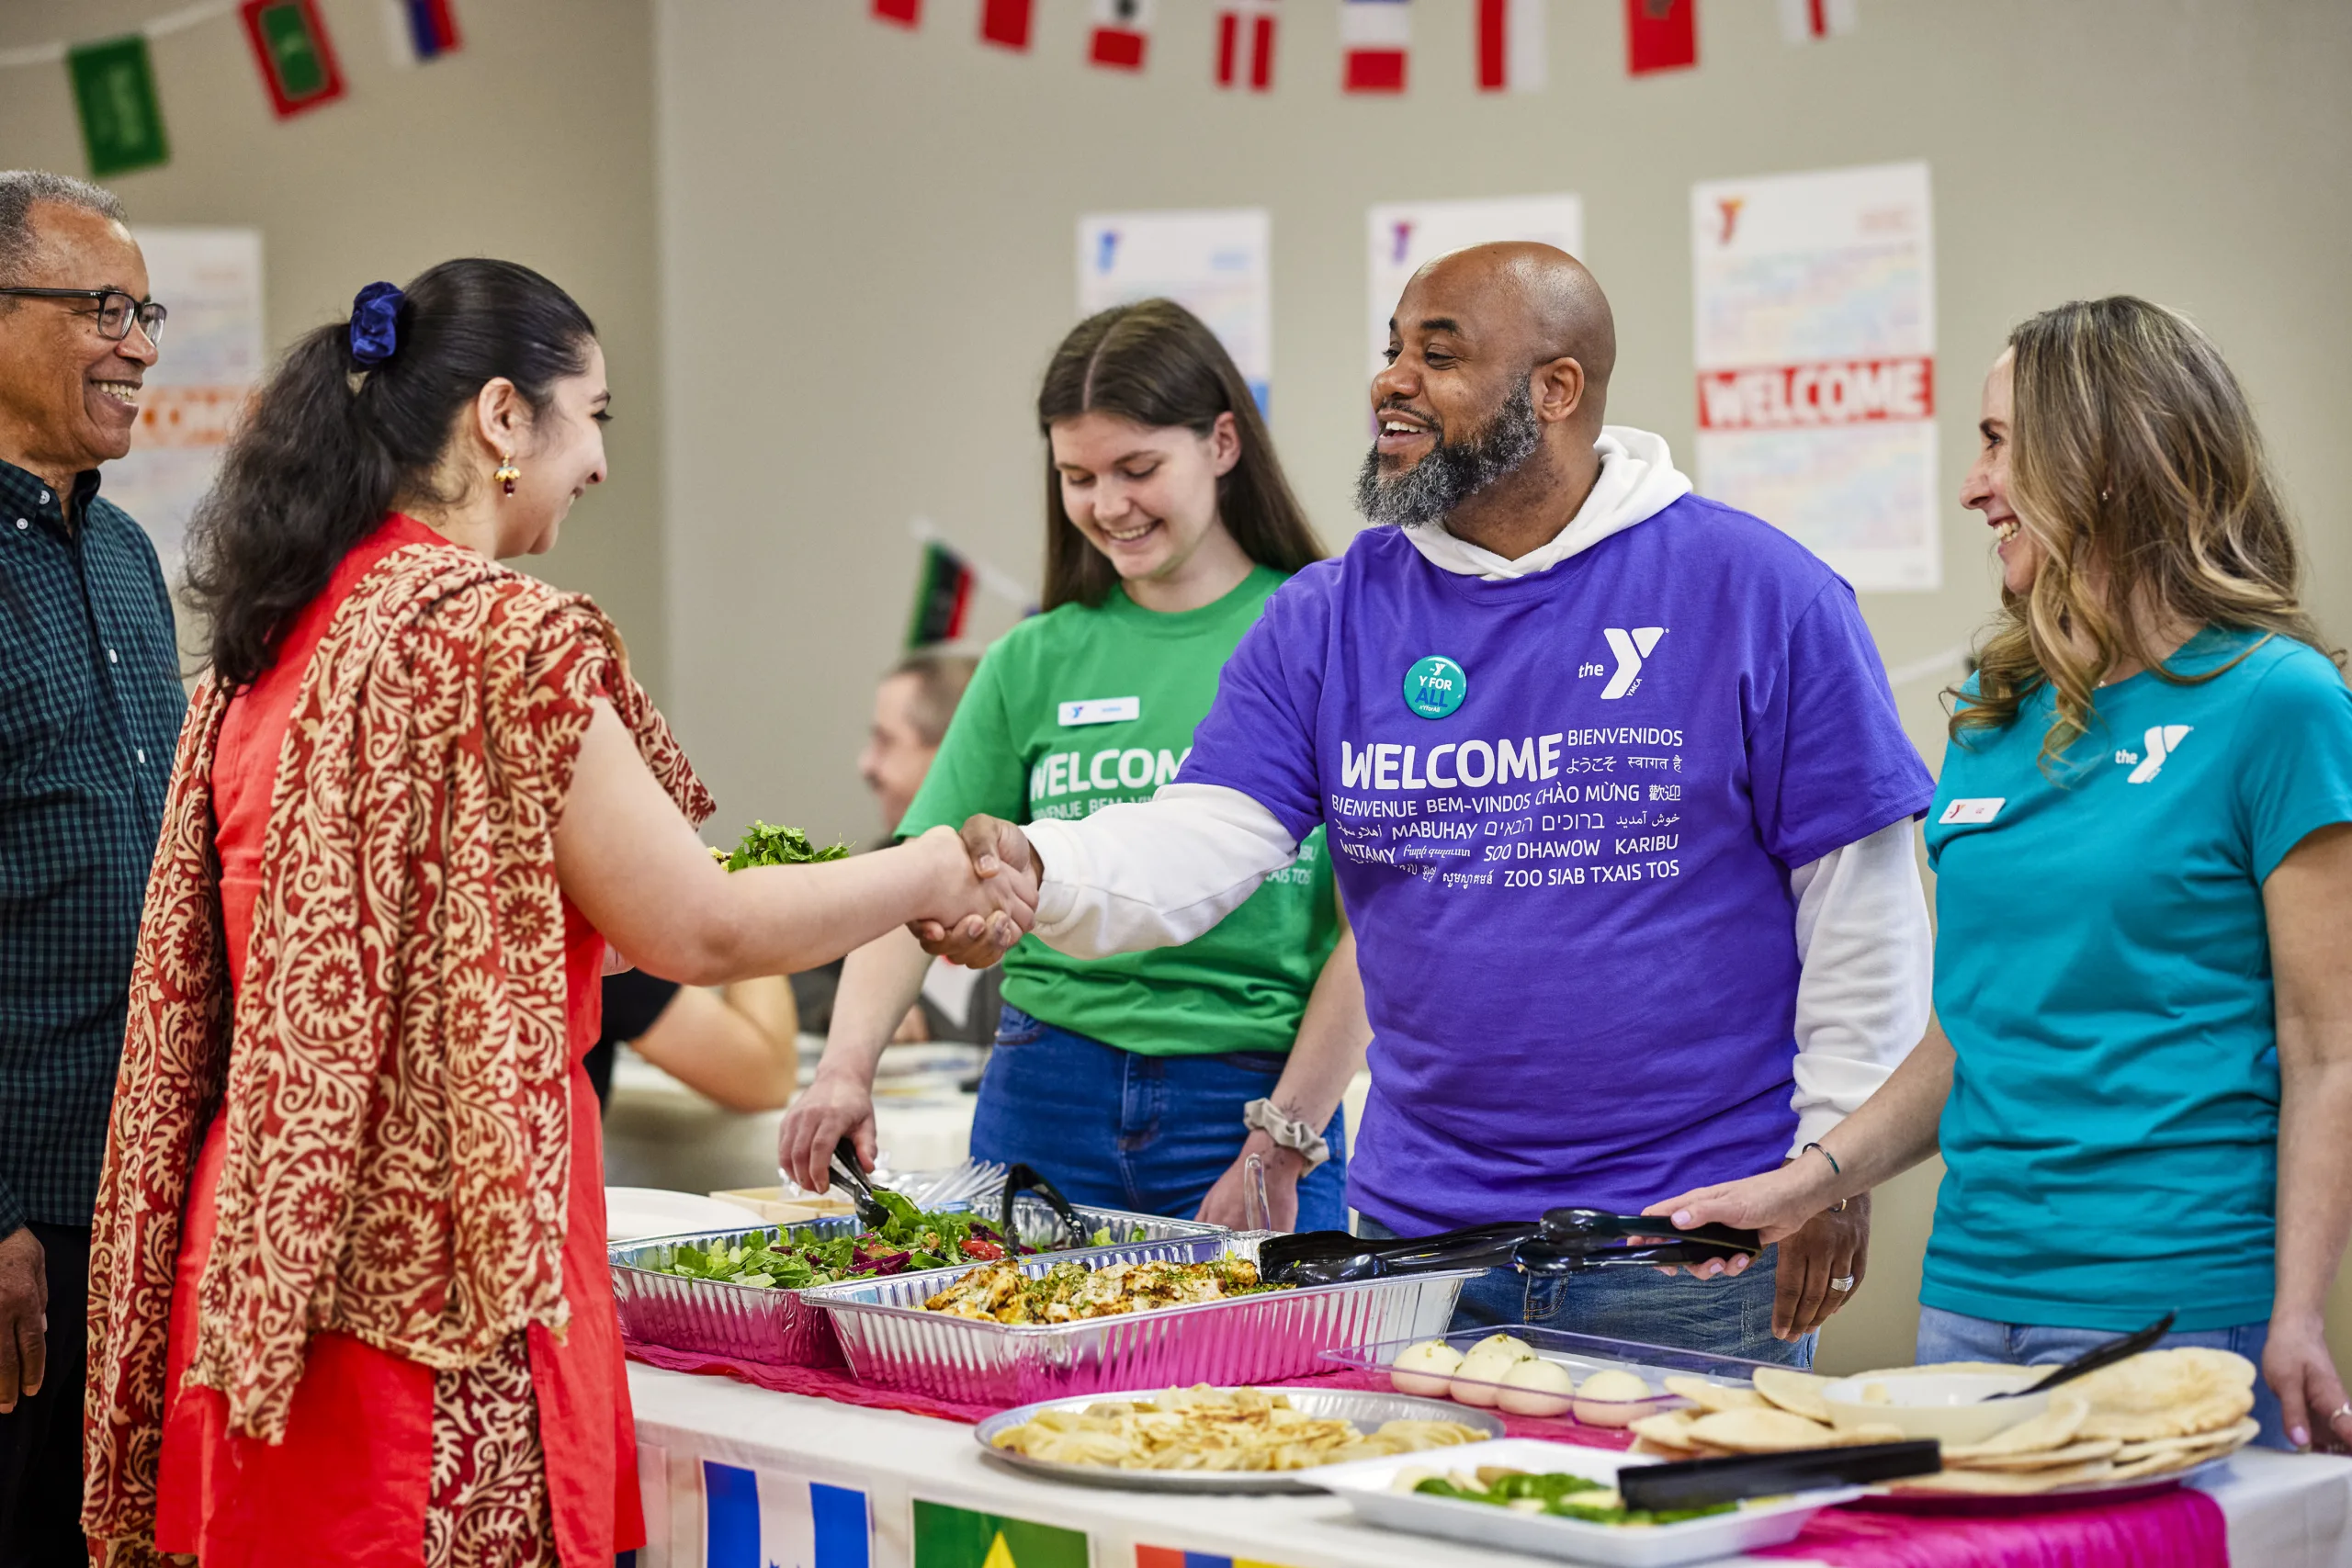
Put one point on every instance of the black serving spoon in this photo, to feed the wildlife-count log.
(872, 1212)
(2095, 1358)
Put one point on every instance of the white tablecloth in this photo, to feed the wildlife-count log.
(2283, 1511)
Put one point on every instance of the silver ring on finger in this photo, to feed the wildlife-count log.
(1842, 1282)
(2341, 1411)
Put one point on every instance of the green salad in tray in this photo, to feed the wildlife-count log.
(789, 1259)
(1561, 1496)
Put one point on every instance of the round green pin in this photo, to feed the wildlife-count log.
(1435, 686)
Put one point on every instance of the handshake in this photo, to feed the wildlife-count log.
(986, 896)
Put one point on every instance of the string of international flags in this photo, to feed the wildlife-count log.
(113, 79)
(1376, 37)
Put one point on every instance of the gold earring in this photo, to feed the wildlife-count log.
(507, 472)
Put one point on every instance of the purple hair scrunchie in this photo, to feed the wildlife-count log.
(375, 316)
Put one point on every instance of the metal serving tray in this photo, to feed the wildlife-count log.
(759, 1323)
(1369, 1411)
(889, 1339)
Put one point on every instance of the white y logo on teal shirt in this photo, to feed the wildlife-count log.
(1631, 647)
(2161, 741)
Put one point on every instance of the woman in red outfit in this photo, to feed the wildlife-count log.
(348, 1293)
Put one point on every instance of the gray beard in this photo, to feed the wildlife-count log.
(1452, 472)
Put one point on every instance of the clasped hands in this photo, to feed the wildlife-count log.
(991, 877)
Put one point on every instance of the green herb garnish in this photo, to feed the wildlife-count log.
(765, 845)
(1559, 1493)
(788, 1258)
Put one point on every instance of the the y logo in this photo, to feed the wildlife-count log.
(1631, 647)
(2161, 741)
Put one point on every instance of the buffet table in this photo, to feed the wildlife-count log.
(2281, 1511)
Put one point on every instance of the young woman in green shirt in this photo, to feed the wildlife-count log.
(1142, 1081)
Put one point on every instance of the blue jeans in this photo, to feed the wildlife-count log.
(1956, 1336)
(1723, 1316)
(1116, 1129)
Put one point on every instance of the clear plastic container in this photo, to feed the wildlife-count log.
(1582, 1354)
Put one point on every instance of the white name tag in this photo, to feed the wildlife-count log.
(1967, 811)
(1102, 710)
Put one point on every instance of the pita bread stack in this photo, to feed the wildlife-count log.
(1782, 1412)
(2157, 1414)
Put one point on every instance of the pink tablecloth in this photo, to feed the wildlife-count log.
(2177, 1529)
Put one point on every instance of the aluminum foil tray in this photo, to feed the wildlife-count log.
(887, 1338)
(1367, 1410)
(755, 1322)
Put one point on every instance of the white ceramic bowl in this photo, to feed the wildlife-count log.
(1947, 1406)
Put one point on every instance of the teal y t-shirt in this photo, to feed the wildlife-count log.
(2103, 971)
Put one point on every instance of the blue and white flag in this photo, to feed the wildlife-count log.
(761, 1520)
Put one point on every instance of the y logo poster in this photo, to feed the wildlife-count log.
(1815, 333)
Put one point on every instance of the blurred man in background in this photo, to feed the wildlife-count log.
(911, 707)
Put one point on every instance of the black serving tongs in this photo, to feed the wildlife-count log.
(1702, 1483)
(1565, 1241)
(872, 1212)
(1025, 1178)
(1577, 1241)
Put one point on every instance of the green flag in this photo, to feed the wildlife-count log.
(291, 48)
(114, 89)
(958, 1538)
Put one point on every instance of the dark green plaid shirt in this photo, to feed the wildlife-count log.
(90, 710)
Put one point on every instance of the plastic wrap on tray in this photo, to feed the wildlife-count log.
(759, 1323)
(887, 1338)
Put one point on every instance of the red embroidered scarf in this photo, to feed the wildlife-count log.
(397, 1146)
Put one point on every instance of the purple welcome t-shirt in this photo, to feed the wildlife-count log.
(1563, 810)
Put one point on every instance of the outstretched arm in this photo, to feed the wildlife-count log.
(1153, 874)
(628, 858)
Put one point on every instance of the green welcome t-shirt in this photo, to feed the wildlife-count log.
(1081, 708)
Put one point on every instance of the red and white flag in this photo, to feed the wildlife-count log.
(1661, 35)
(1803, 21)
(1005, 23)
(1245, 44)
(1512, 56)
(1376, 37)
(1122, 29)
(898, 13)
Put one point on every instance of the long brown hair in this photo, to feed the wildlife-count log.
(1155, 364)
(2136, 466)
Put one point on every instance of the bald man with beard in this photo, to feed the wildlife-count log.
(1620, 808)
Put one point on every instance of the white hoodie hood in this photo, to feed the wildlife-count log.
(1638, 480)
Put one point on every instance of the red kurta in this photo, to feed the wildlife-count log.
(385, 1461)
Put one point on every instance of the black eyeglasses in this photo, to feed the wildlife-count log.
(116, 310)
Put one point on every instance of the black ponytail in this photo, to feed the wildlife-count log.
(333, 443)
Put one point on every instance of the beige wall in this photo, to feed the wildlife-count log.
(867, 255)
(533, 144)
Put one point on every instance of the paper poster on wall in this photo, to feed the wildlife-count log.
(209, 280)
(752, 1518)
(1214, 263)
(1404, 234)
(1816, 336)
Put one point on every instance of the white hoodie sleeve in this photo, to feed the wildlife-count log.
(1155, 873)
(1866, 969)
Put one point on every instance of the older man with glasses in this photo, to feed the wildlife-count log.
(90, 708)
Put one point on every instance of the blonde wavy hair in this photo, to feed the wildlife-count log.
(2136, 467)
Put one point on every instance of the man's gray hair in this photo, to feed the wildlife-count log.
(21, 190)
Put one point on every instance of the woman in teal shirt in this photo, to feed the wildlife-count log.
(1142, 1081)
(2142, 1079)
